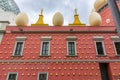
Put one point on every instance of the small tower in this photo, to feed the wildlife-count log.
(77, 21)
(40, 21)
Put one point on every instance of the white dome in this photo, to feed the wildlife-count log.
(95, 19)
(21, 19)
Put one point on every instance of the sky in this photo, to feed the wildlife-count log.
(50, 7)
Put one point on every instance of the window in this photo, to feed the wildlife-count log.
(12, 76)
(100, 49)
(99, 45)
(45, 46)
(71, 48)
(45, 49)
(104, 71)
(18, 48)
(116, 43)
(71, 45)
(117, 47)
(43, 76)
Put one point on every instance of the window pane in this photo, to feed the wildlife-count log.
(45, 48)
(71, 48)
(117, 46)
(42, 76)
(99, 48)
(18, 49)
(12, 77)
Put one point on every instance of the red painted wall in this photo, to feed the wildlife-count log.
(58, 50)
(107, 19)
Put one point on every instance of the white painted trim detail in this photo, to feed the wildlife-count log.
(46, 38)
(42, 73)
(71, 38)
(115, 38)
(98, 38)
(12, 73)
(21, 38)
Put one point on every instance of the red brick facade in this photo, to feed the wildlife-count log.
(59, 66)
(107, 19)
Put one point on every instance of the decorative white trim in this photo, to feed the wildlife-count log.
(12, 73)
(46, 38)
(102, 46)
(68, 50)
(16, 46)
(98, 38)
(42, 73)
(48, 48)
(115, 38)
(21, 38)
(71, 38)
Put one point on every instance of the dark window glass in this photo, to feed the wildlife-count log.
(18, 48)
(45, 48)
(104, 71)
(99, 48)
(71, 48)
(42, 76)
(117, 46)
(12, 76)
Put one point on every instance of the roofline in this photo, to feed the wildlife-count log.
(61, 31)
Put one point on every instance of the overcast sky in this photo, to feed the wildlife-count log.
(50, 7)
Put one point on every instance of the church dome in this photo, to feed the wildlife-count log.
(58, 19)
(95, 19)
(10, 6)
(99, 3)
(21, 19)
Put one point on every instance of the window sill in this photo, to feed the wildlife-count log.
(44, 56)
(17, 56)
(101, 55)
(72, 56)
(117, 55)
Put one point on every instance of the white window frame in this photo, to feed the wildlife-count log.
(12, 73)
(45, 39)
(68, 49)
(1, 37)
(115, 48)
(19, 39)
(16, 46)
(115, 39)
(42, 73)
(99, 39)
(0, 25)
(71, 39)
(102, 46)
(42, 47)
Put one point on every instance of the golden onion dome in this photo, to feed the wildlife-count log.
(95, 19)
(99, 3)
(21, 19)
(58, 19)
